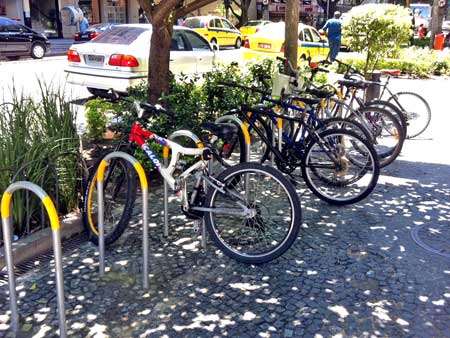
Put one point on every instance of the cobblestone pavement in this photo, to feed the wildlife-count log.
(353, 272)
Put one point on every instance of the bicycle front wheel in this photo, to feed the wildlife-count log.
(119, 195)
(271, 220)
(340, 167)
(416, 110)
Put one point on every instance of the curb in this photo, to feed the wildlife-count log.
(41, 241)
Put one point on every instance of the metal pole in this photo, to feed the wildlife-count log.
(59, 282)
(328, 9)
(145, 236)
(6, 223)
(166, 203)
(101, 230)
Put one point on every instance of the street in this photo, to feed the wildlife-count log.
(379, 268)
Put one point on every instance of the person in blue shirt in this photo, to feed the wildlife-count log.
(333, 28)
(84, 24)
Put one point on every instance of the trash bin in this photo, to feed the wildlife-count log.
(439, 41)
(373, 91)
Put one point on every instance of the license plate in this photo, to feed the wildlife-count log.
(95, 59)
(265, 45)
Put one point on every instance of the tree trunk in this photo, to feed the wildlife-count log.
(437, 17)
(291, 34)
(158, 62)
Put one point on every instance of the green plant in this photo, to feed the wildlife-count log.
(97, 116)
(378, 31)
(39, 143)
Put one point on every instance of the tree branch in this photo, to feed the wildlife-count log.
(192, 7)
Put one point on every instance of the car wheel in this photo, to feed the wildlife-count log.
(98, 92)
(238, 43)
(13, 58)
(214, 44)
(37, 51)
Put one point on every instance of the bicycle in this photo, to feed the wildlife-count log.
(414, 109)
(251, 211)
(338, 166)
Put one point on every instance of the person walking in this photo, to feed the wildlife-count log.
(333, 29)
(84, 24)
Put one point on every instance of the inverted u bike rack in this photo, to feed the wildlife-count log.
(56, 236)
(144, 187)
(198, 142)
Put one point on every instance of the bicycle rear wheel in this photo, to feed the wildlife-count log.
(416, 109)
(386, 130)
(272, 223)
(340, 167)
(119, 196)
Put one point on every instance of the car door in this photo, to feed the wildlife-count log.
(309, 44)
(182, 60)
(202, 51)
(230, 33)
(19, 39)
(3, 36)
(322, 45)
(220, 32)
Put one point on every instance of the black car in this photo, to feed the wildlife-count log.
(16, 40)
(92, 32)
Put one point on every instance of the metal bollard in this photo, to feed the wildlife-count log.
(173, 136)
(144, 186)
(56, 237)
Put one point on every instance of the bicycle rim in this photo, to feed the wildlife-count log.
(348, 180)
(417, 111)
(273, 222)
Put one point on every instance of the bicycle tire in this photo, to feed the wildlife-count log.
(232, 178)
(88, 212)
(363, 159)
(393, 109)
(343, 123)
(386, 130)
(411, 116)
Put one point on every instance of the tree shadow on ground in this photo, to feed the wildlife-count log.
(354, 271)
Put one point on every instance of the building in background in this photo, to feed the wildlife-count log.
(310, 11)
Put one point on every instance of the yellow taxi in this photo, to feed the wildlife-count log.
(218, 31)
(269, 42)
(252, 27)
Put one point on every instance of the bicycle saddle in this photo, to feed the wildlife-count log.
(320, 93)
(224, 131)
(354, 84)
(307, 100)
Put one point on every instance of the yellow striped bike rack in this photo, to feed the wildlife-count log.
(56, 236)
(101, 230)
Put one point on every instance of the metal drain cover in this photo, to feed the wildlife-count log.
(434, 238)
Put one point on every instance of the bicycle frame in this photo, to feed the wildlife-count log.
(140, 136)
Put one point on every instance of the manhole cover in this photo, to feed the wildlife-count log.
(434, 238)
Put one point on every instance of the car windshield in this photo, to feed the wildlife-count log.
(274, 31)
(193, 23)
(120, 35)
(253, 23)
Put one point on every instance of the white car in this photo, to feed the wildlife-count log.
(118, 58)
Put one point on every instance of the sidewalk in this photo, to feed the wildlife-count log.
(354, 271)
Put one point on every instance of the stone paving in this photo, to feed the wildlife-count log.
(353, 272)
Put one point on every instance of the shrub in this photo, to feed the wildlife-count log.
(416, 62)
(39, 143)
(97, 112)
(378, 31)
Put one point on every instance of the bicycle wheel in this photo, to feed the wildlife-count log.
(416, 109)
(386, 130)
(341, 123)
(340, 167)
(274, 213)
(393, 109)
(119, 196)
